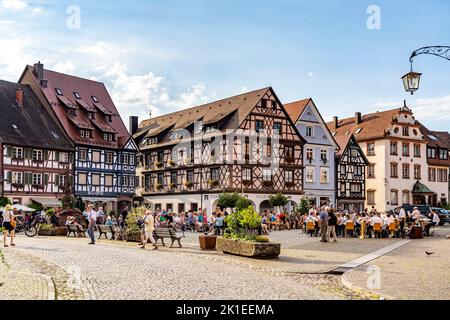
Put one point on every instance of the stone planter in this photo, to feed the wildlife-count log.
(47, 232)
(61, 231)
(266, 250)
(134, 236)
(207, 242)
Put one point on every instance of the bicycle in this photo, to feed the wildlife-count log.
(30, 229)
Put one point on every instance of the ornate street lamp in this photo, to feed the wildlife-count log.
(411, 80)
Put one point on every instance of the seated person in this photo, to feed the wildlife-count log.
(435, 221)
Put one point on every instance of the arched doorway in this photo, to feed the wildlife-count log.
(290, 206)
(265, 205)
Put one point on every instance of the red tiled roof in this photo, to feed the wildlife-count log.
(372, 125)
(295, 109)
(86, 89)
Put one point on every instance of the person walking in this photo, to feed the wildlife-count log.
(8, 224)
(149, 227)
(219, 224)
(324, 223)
(92, 218)
(332, 222)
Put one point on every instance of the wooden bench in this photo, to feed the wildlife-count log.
(71, 228)
(104, 229)
(162, 233)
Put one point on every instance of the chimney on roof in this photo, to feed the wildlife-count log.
(357, 118)
(19, 97)
(133, 124)
(336, 122)
(38, 71)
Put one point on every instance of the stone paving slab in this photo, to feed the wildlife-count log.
(408, 273)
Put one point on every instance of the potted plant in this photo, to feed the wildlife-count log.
(133, 230)
(188, 184)
(172, 186)
(213, 183)
(47, 229)
(158, 186)
(171, 163)
(158, 164)
(241, 236)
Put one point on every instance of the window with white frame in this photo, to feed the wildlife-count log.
(394, 197)
(109, 157)
(288, 176)
(267, 175)
(310, 174)
(37, 155)
(324, 155)
(64, 157)
(310, 153)
(17, 153)
(61, 180)
(82, 155)
(371, 197)
(324, 175)
(124, 181)
(17, 178)
(405, 197)
(309, 131)
(37, 179)
(247, 174)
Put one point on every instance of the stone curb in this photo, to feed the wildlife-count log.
(51, 295)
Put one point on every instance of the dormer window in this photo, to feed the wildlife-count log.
(72, 112)
(91, 115)
(94, 98)
(107, 137)
(59, 92)
(108, 118)
(85, 134)
(77, 95)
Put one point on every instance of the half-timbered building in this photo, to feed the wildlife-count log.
(105, 154)
(35, 153)
(245, 143)
(351, 164)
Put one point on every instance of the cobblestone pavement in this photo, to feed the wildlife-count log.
(408, 273)
(119, 270)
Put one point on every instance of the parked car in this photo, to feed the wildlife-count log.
(444, 215)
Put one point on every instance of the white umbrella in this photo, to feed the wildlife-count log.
(23, 208)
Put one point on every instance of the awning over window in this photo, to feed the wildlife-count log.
(420, 188)
(48, 202)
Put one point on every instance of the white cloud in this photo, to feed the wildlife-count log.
(137, 94)
(311, 75)
(16, 5)
(432, 109)
(64, 67)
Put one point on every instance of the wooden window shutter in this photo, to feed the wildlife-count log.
(57, 180)
(9, 151)
(28, 153)
(28, 178)
(57, 156)
(71, 181)
(9, 176)
(46, 154)
(46, 179)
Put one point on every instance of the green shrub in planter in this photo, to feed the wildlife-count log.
(261, 239)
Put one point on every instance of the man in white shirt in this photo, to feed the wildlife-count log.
(435, 221)
(149, 227)
(92, 218)
(416, 214)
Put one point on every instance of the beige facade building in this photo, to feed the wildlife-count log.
(399, 171)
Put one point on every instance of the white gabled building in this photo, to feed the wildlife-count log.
(319, 153)
(398, 171)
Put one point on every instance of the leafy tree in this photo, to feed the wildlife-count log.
(250, 219)
(242, 203)
(303, 206)
(4, 201)
(278, 200)
(228, 200)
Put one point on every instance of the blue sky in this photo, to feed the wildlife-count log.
(168, 55)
